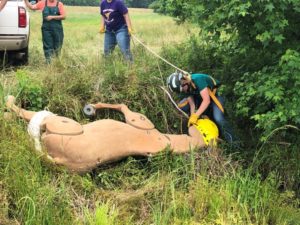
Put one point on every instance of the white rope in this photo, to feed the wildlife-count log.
(174, 103)
(158, 56)
(166, 61)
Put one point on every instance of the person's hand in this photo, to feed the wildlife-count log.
(48, 18)
(102, 30)
(130, 31)
(193, 119)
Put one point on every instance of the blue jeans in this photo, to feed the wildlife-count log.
(217, 115)
(120, 37)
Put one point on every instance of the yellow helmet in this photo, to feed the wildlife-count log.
(209, 131)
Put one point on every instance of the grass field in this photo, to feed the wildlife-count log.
(202, 187)
(82, 36)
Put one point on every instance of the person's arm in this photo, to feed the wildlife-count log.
(102, 25)
(204, 104)
(2, 4)
(205, 101)
(128, 22)
(59, 17)
(62, 15)
(32, 7)
(192, 104)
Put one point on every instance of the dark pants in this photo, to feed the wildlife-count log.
(53, 36)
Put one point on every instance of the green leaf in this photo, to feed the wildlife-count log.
(243, 13)
(269, 7)
(279, 38)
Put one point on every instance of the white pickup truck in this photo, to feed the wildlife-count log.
(14, 31)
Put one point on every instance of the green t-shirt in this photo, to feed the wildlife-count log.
(202, 81)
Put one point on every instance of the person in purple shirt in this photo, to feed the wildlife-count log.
(116, 25)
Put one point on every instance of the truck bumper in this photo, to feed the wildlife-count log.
(13, 42)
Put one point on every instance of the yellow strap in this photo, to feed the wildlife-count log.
(213, 80)
(182, 104)
(214, 98)
(193, 85)
(212, 94)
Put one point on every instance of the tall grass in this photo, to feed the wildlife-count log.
(202, 187)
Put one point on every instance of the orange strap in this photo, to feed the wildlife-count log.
(212, 94)
(214, 98)
(182, 104)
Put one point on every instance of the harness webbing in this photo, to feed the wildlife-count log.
(212, 94)
(182, 104)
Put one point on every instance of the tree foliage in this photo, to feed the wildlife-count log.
(270, 96)
(256, 44)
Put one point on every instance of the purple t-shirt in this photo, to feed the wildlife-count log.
(113, 14)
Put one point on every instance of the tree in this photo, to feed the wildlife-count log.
(258, 45)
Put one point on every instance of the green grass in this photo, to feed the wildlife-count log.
(196, 188)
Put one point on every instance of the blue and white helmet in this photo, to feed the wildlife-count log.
(173, 82)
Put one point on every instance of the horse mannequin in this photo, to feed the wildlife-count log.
(84, 147)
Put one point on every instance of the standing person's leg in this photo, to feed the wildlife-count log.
(109, 42)
(58, 34)
(222, 123)
(123, 39)
(48, 43)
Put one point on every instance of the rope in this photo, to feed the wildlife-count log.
(166, 61)
(188, 76)
(174, 103)
(158, 56)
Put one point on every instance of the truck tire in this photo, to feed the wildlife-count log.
(24, 60)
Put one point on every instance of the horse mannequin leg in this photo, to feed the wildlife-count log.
(26, 115)
(22, 113)
(135, 119)
(140, 121)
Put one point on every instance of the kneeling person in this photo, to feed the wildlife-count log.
(199, 92)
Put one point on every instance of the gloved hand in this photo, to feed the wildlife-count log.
(193, 119)
(130, 31)
(102, 30)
